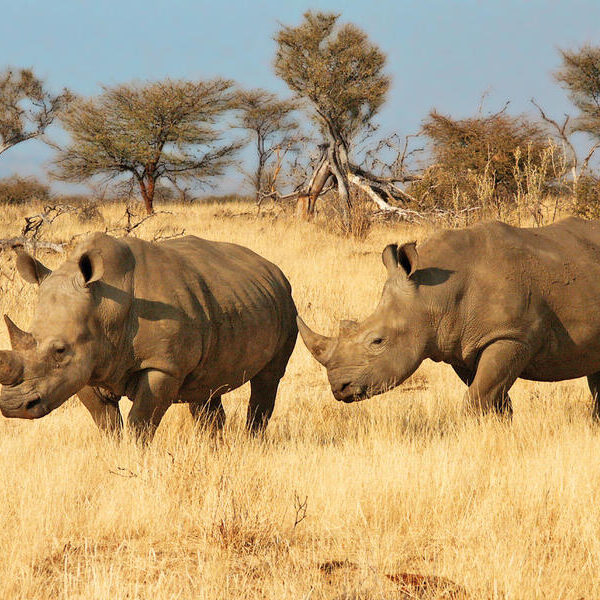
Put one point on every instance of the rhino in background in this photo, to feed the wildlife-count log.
(496, 302)
(184, 320)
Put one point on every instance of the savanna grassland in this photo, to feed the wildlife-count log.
(332, 499)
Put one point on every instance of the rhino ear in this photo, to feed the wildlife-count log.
(404, 257)
(31, 269)
(91, 265)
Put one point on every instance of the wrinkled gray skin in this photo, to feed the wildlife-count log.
(184, 320)
(494, 301)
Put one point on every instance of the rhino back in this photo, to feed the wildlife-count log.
(537, 285)
(212, 313)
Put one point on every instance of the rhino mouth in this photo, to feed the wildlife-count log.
(349, 393)
(32, 408)
(355, 392)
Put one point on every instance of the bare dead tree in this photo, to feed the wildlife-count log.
(400, 152)
(564, 132)
(276, 134)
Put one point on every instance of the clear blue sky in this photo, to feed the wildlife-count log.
(441, 54)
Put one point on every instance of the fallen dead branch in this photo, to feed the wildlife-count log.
(163, 234)
(31, 244)
(34, 223)
(33, 228)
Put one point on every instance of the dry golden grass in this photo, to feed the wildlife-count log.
(402, 483)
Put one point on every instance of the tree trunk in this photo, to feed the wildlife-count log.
(338, 162)
(147, 190)
(258, 176)
(335, 164)
(307, 200)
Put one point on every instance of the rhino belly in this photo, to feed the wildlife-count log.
(233, 358)
(566, 356)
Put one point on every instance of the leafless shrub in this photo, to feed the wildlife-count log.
(35, 225)
(89, 213)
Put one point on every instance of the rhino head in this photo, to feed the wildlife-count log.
(57, 358)
(371, 357)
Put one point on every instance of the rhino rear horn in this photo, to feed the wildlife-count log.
(11, 367)
(320, 346)
(348, 327)
(19, 339)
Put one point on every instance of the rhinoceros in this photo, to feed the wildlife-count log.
(183, 320)
(495, 302)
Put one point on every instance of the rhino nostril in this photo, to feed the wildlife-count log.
(32, 403)
(345, 386)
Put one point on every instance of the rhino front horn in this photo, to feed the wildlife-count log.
(19, 339)
(320, 346)
(11, 367)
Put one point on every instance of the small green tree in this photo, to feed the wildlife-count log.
(27, 108)
(340, 73)
(163, 130)
(275, 131)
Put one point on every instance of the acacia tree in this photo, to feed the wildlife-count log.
(275, 132)
(341, 75)
(163, 130)
(27, 108)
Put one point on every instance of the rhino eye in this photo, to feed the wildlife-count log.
(59, 350)
(377, 341)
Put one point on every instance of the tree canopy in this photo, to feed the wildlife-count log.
(336, 68)
(27, 108)
(580, 75)
(165, 129)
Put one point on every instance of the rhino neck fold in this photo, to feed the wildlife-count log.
(434, 331)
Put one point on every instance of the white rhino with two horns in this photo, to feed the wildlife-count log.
(183, 320)
(496, 302)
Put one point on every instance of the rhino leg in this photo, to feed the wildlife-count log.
(262, 401)
(466, 376)
(498, 367)
(263, 389)
(155, 391)
(209, 413)
(104, 408)
(594, 385)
